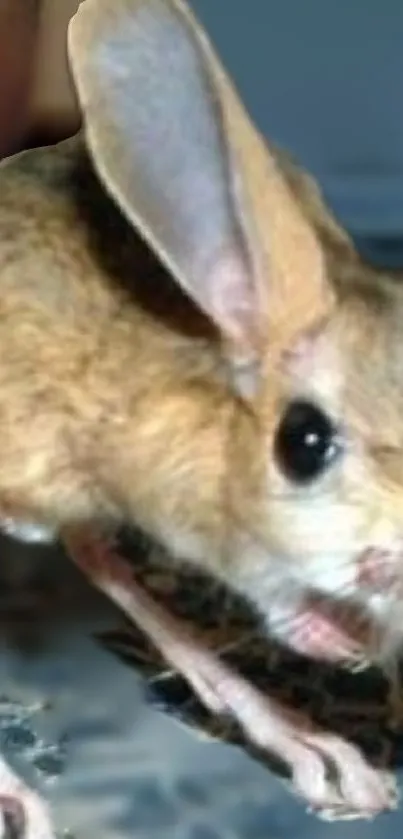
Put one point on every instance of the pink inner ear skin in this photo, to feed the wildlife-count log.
(232, 301)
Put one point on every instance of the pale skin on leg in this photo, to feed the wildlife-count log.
(359, 790)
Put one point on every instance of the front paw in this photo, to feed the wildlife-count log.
(332, 775)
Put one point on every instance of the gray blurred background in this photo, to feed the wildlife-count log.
(324, 78)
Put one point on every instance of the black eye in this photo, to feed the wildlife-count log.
(305, 443)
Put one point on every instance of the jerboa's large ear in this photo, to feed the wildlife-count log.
(175, 149)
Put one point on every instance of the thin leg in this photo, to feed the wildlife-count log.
(357, 789)
(23, 814)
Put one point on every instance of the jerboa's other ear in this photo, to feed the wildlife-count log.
(175, 149)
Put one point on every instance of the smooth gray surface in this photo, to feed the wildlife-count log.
(324, 79)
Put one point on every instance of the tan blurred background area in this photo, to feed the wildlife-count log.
(37, 103)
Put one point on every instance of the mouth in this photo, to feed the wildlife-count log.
(336, 632)
(352, 632)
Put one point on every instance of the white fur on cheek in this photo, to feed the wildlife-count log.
(318, 536)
